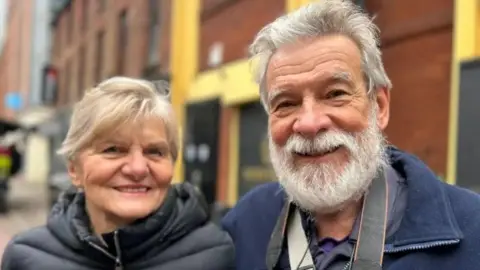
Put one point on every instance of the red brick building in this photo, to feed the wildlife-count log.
(15, 57)
(96, 39)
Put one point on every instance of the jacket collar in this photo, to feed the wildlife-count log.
(183, 210)
(428, 216)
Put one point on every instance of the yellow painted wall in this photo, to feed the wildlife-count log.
(232, 83)
(184, 62)
(466, 45)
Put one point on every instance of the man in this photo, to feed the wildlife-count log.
(326, 93)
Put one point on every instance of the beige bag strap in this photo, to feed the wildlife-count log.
(298, 249)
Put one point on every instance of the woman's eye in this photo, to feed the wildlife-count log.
(155, 151)
(111, 149)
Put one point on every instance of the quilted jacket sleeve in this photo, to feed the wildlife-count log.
(11, 259)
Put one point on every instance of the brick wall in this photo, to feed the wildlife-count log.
(234, 23)
(417, 52)
(67, 55)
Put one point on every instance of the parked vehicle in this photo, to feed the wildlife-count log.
(10, 165)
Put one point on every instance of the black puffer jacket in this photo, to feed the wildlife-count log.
(176, 237)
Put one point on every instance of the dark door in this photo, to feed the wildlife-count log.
(254, 160)
(201, 146)
(468, 142)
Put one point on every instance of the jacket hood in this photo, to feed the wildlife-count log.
(183, 210)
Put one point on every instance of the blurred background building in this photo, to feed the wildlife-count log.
(50, 53)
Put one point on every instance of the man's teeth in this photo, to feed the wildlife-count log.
(133, 190)
(317, 153)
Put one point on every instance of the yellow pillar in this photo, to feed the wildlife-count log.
(466, 45)
(233, 158)
(292, 5)
(184, 62)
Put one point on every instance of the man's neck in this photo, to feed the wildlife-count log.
(340, 224)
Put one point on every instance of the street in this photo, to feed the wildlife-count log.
(28, 202)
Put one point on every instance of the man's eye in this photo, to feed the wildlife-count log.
(336, 93)
(285, 104)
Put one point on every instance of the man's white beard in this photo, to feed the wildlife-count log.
(326, 188)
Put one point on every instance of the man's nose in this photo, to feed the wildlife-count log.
(311, 120)
(136, 166)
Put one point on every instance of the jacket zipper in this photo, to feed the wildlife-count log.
(118, 261)
(390, 250)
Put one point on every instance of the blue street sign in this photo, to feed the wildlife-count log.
(13, 101)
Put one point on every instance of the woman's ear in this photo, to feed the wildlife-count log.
(73, 171)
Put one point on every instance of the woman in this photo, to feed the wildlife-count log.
(123, 214)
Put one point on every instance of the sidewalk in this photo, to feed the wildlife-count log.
(28, 201)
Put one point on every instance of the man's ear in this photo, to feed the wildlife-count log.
(383, 105)
(74, 171)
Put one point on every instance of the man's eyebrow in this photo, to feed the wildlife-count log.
(273, 94)
(342, 76)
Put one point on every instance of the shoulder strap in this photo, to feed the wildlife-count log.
(371, 237)
(373, 222)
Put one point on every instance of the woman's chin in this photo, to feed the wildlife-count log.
(131, 213)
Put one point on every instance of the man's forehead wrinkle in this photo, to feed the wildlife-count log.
(285, 82)
(296, 65)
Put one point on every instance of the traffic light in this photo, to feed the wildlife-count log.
(49, 85)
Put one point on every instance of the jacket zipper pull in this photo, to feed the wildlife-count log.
(118, 265)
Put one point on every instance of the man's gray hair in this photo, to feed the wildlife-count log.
(326, 17)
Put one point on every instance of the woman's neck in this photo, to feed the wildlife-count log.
(101, 222)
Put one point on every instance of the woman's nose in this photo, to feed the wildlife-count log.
(136, 166)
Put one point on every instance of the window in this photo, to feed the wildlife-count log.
(70, 18)
(85, 17)
(81, 72)
(101, 6)
(56, 38)
(67, 83)
(122, 43)
(154, 33)
(98, 69)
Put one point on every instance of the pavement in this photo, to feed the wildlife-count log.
(28, 209)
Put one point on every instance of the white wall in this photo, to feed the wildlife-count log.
(37, 162)
(40, 48)
(3, 22)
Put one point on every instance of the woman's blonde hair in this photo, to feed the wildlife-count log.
(113, 102)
